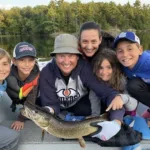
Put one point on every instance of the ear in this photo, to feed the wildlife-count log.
(79, 45)
(13, 61)
(141, 49)
(78, 57)
(97, 73)
(100, 40)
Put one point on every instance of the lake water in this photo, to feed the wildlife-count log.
(44, 44)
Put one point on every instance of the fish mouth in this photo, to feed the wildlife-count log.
(35, 116)
(23, 112)
(26, 112)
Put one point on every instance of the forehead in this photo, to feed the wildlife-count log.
(66, 54)
(4, 59)
(26, 57)
(124, 44)
(87, 34)
(105, 62)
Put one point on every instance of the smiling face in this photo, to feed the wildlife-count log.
(4, 68)
(90, 41)
(66, 62)
(105, 70)
(128, 53)
(25, 66)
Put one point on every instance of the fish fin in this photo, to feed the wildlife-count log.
(81, 142)
(94, 124)
(99, 128)
(104, 116)
(43, 133)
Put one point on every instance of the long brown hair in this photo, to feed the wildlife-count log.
(117, 75)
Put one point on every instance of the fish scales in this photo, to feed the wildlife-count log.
(60, 128)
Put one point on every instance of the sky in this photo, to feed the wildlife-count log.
(22, 3)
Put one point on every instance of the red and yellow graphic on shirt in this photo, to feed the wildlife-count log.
(25, 90)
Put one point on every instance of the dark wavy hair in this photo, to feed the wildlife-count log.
(117, 77)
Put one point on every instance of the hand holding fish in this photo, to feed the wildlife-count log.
(49, 109)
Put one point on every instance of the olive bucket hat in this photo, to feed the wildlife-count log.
(65, 43)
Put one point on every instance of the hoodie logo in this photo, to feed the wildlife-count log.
(68, 97)
(67, 92)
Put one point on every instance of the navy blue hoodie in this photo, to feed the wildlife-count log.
(56, 94)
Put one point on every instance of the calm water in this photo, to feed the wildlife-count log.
(44, 44)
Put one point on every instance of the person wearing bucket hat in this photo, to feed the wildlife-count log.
(65, 82)
(135, 64)
(23, 79)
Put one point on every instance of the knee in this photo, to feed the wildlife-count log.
(16, 136)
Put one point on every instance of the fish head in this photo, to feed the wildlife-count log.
(36, 114)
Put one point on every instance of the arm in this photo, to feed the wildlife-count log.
(109, 96)
(129, 102)
(12, 87)
(95, 103)
(48, 93)
(100, 88)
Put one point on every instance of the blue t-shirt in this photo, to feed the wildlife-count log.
(141, 69)
(3, 88)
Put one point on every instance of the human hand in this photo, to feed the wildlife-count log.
(17, 125)
(106, 129)
(117, 103)
(49, 109)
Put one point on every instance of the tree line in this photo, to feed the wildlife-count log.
(61, 16)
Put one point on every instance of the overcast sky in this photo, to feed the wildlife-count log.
(22, 3)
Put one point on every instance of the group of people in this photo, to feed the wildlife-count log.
(85, 78)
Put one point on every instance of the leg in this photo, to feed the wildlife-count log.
(139, 90)
(8, 138)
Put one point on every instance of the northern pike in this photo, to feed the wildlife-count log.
(60, 128)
